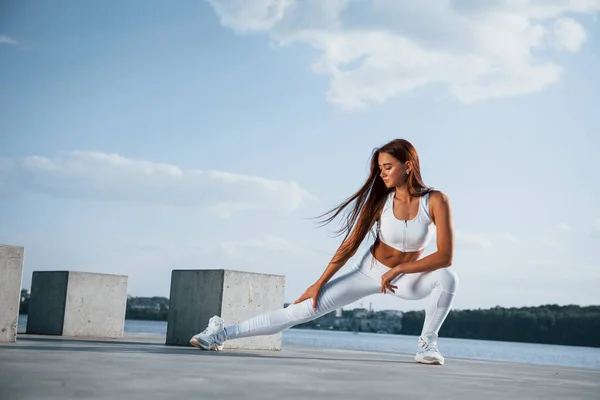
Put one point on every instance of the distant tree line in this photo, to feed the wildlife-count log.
(549, 324)
(147, 308)
(147, 315)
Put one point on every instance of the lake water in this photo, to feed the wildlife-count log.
(570, 356)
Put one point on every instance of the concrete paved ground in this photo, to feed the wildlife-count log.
(137, 367)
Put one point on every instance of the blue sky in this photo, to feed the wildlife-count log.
(137, 138)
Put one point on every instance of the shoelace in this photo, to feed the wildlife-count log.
(431, 346)
(213, 330)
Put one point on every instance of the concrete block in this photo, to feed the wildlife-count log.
(11, 278)
(197, 295)
(81, 304)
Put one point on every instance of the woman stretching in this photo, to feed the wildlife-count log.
(406, 214)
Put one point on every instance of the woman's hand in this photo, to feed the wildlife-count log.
(387, 278)
(311, 293)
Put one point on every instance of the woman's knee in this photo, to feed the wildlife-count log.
(301, 312)
(448, 279)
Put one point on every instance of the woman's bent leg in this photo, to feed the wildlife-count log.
(337, 293)
(442, 285)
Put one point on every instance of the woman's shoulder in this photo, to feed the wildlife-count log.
(437, 195)
(437, 201)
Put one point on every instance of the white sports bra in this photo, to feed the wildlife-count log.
(406, 235)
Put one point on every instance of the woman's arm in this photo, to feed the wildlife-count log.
(334, 266)
(441, 214)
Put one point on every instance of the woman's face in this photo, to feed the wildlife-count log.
(392, 171)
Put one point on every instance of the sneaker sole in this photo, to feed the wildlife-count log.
(429, 362)
(199, 345)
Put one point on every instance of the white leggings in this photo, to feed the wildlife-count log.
(362, 280)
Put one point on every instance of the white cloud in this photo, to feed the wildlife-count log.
(237, 248)
(247, 16)
(509, 237)
(569, 34)
(378, 49)
(8, 40)
(101, 176)
(241, 248)
(564, 227)
(472, 239)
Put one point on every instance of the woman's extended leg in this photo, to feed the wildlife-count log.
(442, 285)
(337, 293)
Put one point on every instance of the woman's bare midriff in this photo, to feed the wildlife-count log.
(390, 257)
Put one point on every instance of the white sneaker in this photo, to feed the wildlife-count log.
(428, 353)
(213, 337)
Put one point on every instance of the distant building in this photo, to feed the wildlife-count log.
(148, 303)
(361, 312)
(392, 313)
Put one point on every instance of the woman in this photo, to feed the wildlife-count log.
(406, 214)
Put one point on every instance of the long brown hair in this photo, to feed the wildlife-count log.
(370, 198)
